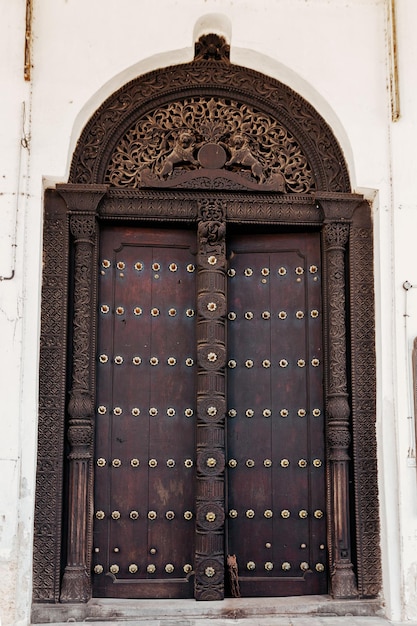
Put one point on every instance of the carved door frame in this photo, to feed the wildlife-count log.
(74, 212)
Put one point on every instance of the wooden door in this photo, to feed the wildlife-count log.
(276, 515)
(145, 424)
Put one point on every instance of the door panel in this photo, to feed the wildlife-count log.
(276, 525)
(144, 484)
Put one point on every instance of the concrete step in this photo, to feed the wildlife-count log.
(250, 621)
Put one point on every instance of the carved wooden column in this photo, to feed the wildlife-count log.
(211, 401)
(82, 202)
(336, 236)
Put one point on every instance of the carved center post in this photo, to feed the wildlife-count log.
(343, 582)
(82, 204)
(211, 400)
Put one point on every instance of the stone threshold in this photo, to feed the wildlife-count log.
(175, 611)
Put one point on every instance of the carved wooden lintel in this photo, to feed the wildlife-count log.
(82, 204)
(211, 400)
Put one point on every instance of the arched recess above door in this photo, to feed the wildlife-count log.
(213, 127)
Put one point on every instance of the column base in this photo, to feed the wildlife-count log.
(343, 581)
(75, 585)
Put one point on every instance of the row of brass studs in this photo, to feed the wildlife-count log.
(137, 360)
(266, 363)
(284, 463)
(285, 514)
(135, 411)
(133, 568)
(151, 515)
(265, 271)
(285, 566)
(138, 311)
(102, 462)
(266, 315)
(267, 413)
(140, 266)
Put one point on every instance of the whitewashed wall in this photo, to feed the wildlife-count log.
(334, 53)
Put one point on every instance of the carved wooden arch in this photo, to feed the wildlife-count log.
(323, 201)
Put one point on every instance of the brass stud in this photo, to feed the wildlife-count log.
(302, 463)
(285, 514)
(283, 363)
(266, 315)
(210, 516)
(171, 361)
(138, 266)
(116, 462)
(268, 545)
(303, 514)
(189, 312)
(303, 546)
(299, 315)
(232, 364)
(299, 270)
(282, 315)
(212, 260)
(250, 513)
(286, 566)
(135, 411)
(114, 569)
(304, 566)
(170, 463)
(301, 363)
(211, 306)
(173, 267)
(265, 271)
(102, 410)
(120, 310)
(98, 569)
(212, 357)
(133, 568)
(285, 462)
(268, 463)
(232, 463)
(322, 546)
(152, 463)
(154, 360)
(137, 310)
(188, 412)
(169, 568)
(152, 551)
(115, 514)
(188, 515)
(170, 515)
(154, 312)
(268, 513)
(189, 362)
(267, 413)
(117, 410)
(248, 315)
(316, 412)
(101, 462)
(135, 462)
(284, 412)
(121, 265)
(152, 515)
(266, 363)
(100, 514)
(319, 567)
(249, 363)
(103, 358)
(249, 412)
(250, 565)
(248, 271)
(317, 463)
(269, 566)
(118, 360)
(136, 360)
(318, 514)
(314, 313)
(104, 308)
(105, 263)
(211, 411)
(315, 362)
(188, 463)
(151, 569)
(232, 413)
(231, 272)
(301, 412)
(313, 269)
(190, 267)
(233, 513)
(231, 316)
(134, 515)
(282, 271)
(172, 312)
(153, 411)
(156, 267)
(211, 462)
(187, 568)
(209, 572)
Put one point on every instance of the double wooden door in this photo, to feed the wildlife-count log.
(145, 450)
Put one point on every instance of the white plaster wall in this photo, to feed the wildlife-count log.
(334, 53)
